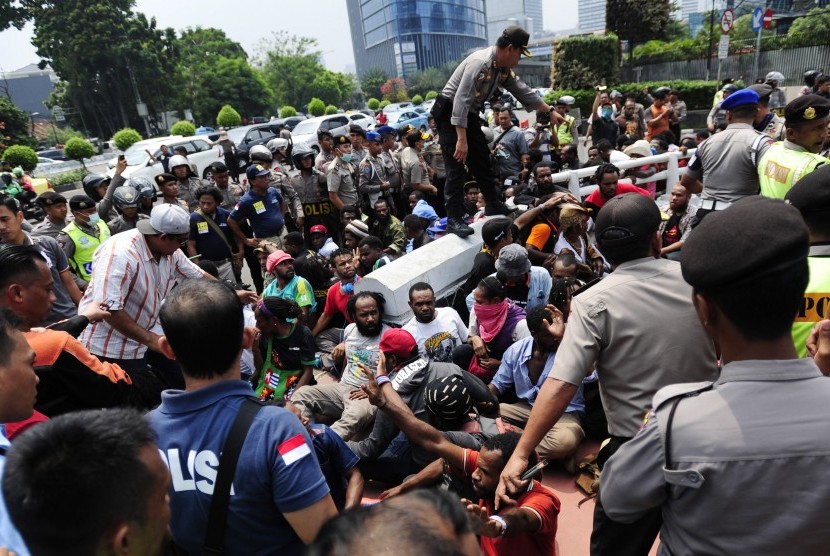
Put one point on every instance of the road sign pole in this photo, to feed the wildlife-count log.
(756, 62)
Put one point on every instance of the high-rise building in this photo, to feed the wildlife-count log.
(404, 36)
(591, 16)
(504, 13)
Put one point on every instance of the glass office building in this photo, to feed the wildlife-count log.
(404, 36)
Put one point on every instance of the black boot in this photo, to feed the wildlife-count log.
(458, 227)
(497, 208)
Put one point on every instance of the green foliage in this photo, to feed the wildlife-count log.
(15, 126)
(696, 94)
(125, 138)
(417, 99)
(79, 149)
(383, 104)
(54, 135)
(66, 178)
(287, 111)
(637, 21)
(584, 61)
(289, 65)
(316, 107)
(183, 127)
(228, 117)
(815, 23)
(373, 104)
(21, 155)
(432, 94)
(331, 87)
(331, 109)
(430, 79)
(372, 81)
(394, 90)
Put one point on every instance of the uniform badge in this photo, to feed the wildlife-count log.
(809, 113)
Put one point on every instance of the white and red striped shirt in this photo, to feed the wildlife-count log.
(129, 279)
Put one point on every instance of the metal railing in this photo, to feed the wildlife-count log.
(671, 174)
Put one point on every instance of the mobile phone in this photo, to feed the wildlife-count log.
(533, 470)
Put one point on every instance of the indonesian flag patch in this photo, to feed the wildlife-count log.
(294, 449)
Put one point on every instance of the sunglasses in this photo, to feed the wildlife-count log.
(178, 238)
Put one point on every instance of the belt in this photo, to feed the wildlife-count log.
(713, 204)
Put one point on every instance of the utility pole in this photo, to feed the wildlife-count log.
(711, 36)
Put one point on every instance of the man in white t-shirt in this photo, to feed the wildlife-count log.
(437, 331)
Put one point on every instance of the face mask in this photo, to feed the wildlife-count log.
(94, 219)
(347, 157)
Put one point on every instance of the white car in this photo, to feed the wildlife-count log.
(363, 120)
(306, 131)
(141, 156)
(397, 107)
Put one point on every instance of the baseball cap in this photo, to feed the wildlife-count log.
(438, 226)
(518, 37)
(625, 219)
(495, 229)
(165, 219)
(513, 260)
(256, 170)
(276, 258)
(398, 342)
(319, 229)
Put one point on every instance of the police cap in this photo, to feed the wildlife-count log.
(811, 194)
(625, 219)
(81, 202)
(806, 108)
(739, 98)
(773, 237)
(341, 139)
(161, 179)
(50, 198)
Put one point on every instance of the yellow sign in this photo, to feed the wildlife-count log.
(814, 307)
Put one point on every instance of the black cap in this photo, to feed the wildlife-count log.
(50, 198)
(161, 179)
(811, 194)
(763, 90)
(81, 202)
(806, 108)
(773, 237)
(495, 229)
(324, 133)
(357, 129)
(625, 219)
(518, 37)
(218, 166)
(342, 139)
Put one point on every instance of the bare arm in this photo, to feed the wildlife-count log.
(677, 246)
(426, 477)
(308, 521)
(237, 233)
(519, 520)
(71, 287)
(354, 489)
(128, 327)
(191, 248)
(691, 184)
(322, 324)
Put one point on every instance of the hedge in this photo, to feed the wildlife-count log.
(373, 104)
(228, 117)
(316, 107)
(183, 127)
(584, 61)
(696, 94)
(331, 109)
(124, 138)
(417, 99)
(78, 149)
(432, 94)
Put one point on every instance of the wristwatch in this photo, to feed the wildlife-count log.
(500, 519)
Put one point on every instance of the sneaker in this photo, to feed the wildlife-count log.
(458, 228)
(497, 209)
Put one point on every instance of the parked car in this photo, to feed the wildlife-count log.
(41, 160)
(292, 121)
(54, 154)
(410, 117)
(203, 130)
(397, 107)
(247, 136)
(361, 119)
(306, 131)
(141, 157)
(427, 104)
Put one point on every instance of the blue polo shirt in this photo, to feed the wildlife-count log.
(513, 372)
(263, 213)
(336, 460)
(208, 243)
(278, 471)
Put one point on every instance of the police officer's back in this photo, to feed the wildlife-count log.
(737, 465)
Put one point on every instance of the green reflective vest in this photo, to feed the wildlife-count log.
(816, 303)
(85, 246)
(564, 132)
(780, 168)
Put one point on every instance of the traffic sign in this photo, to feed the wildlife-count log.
(727, 20)
(757, 19)
(768, 18)
(59, 114)
(723, 47)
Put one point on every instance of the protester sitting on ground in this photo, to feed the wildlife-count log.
(337, 461)
(288, 285)
(524, 369)
(527, 286)
(422, 522)
(496, 322)
(343, 401)
(496, 233)
(321, 241)
(607, 177)
(372, 255)
(388, 229)
(539, 226)
(71, 378)
(573, 238)
(416, 232)
(285, 350)
(642, 149)
(527, 527)
(354, 232)
(280, 497)
(105, 463)
(422, 209)
(437, 330)
(563, 266)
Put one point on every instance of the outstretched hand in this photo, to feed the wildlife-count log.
(556, 328)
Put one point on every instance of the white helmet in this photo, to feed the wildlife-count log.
(489, 136)
(774, 76)
(178, 160)
(260, 152)
(277, 143)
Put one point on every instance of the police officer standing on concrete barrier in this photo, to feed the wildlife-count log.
(481, 75)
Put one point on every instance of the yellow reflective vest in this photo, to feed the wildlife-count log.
(85, 246)
(816, 303)
(782, 166)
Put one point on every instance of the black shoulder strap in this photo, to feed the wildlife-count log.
(503, 133)
(218, 515)
(669, 461)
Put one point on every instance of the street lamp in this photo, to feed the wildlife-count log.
(32, 120)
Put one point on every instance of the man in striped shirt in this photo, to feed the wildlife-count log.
(134, 272)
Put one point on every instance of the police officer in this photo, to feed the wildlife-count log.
(147, 193)
(373, 183)
(481, 75)
(811, 196)
(357, 135)
(728, 161)
(326, 156)
(766, 121)
(82, 236)
(221, 178)
(710, 455)
(278, 179)
(187, 182)
(716, 120)
(126, 199)
(625, 326)
(310, 186)
(54, 205)
(391, 162)
(99, 188)
(566, 131)
(788, 161)
(341, 175)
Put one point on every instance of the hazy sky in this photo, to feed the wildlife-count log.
(250, 21)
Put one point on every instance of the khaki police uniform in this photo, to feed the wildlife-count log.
(340, 179)
(48, 228)
(744, 470)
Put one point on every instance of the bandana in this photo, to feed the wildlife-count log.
(491, 319)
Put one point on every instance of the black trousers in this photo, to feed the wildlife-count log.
(478, 163)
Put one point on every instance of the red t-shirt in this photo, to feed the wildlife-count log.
(539, 500)
(336, 301)
(598, 200)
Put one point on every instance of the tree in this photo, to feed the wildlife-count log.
(373, 104)
(636, 21)
(327, 86)
(79, 149)
(183, 127)
(429, 79)
(815, 23)
(372, 81)
(287, 111)
(21, 155)
(228, 117)
(417, 99)
(383, 104)
(289, 64)
(316, 107)
(15, 126)
(331, 109)
(125, 138)
(394, 90)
